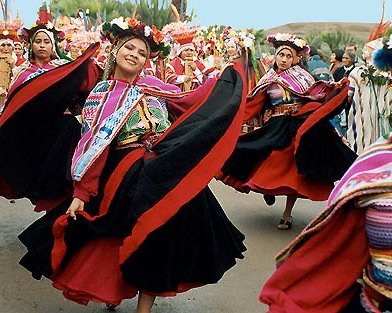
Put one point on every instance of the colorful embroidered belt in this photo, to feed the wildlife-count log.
(284, 109)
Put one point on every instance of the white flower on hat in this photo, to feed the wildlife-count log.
(49, 25)
(299, 42)
(248, 42)
(120, 22)
(147, 30)
(283, 36)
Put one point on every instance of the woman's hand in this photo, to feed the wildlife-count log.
(76, 205)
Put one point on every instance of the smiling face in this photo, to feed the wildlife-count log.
(130, 59)
(231, 48)
(284, 59)
(42, 47)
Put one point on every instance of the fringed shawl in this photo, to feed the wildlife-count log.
(294, 79)
(317, 272)
(105, 112)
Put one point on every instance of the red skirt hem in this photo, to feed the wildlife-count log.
(94, 274)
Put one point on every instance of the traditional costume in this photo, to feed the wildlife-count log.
(350, 241)
(178, 69)
(8, 59)
(318, 271)
(151, 224)
(35, 110)
(296, 151)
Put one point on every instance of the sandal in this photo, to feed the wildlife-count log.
(269, 199)
(285, 225)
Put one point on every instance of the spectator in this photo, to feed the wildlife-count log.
(336, 64)
(353, 49)
(317, 67)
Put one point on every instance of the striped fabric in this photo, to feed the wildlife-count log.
(377, 276)
(350, 239)
(296, 80)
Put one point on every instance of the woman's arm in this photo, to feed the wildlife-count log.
(88, 185)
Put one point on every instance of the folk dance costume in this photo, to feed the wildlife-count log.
(175, 73)
(151, 224)
(350, 239)
(349, 242)
(178, 70)
(35, 109)
(296, 151)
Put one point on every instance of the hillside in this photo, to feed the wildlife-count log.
(360, 31)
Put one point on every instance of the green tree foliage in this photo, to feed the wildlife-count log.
(334, 40)
(157, 12)
(326, 42)
(97, 8)
(260, 38)
(154, 12)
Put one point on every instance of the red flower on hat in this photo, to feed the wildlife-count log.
(133, 22)
(157, 34)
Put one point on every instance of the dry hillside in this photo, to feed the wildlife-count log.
(360, 31)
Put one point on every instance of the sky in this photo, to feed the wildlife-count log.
(259, 14)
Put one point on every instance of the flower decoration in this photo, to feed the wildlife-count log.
(28, 33)
(120, 22)
(180, 28)
(246, 39)
(121, 27)
(80, 39)
(286, 39)
(243, 38)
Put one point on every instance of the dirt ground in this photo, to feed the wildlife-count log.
(237, 292)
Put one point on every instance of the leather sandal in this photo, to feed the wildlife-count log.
(285, 225)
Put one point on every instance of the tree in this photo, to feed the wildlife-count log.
(334, 40)
(181, 6)
(157, 12)
(150, 12)
(106, 9)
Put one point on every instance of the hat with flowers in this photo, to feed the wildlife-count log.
(243, 38)
(183, 34)
(55, 35)
(382, 58)
(9, 31)
(295, 43)
(124, 27)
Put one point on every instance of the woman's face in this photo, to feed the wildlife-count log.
(347, 61)
(18, 50)
(284, 59)
(333, 58)
(231, 48)
(42, 46)
(130, 59)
